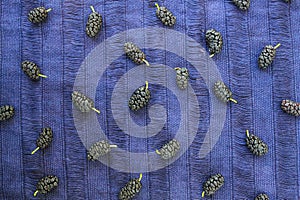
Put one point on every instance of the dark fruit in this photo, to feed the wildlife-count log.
(267, 56)
(291, 107)
(256, 145)
(182, 76)
(44, 140)
(82, 102)
(32, 70)
(242, 4)
(131, 189)
(169, 150)
(46, 184)
(165, 16)
(139, 98)
(213, 184)
(222, 92)
(99, 149)
(262, 197)
(214, 41)
(6, 112)
(135, 54)
(38, 15)
(94, 23)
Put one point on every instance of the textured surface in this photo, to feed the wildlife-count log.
(60, 45)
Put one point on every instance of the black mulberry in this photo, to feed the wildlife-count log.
(242, 4)
(213, 184)
(223, 93)
(32, 70)
(46, 184)
(267, 56)
(135, 54)
(262, 197)
(139, 98)
(83, 103)
(214, 41)
(165, 16)
(131, 189)
(6, 112)
(94, 23)
(291, 107)
(256, 145)
(169, 150)
(182, 76)
(99, 149)
(44, 140)
(38, 14)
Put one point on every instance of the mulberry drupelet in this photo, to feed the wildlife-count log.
(6, 112)
(131, 189)
(135, 54)
(169, 150)
(165, 16)
(267, 56)
(223, 93)
(38, 14)
(256, 145)
(242, 4)
(140, 98)
(214, 41)
(99, 149)
(83, 103)
(182, 76)
(291, 107)
(32, 70)
(94, 23)
(262, 197)
(44, 140)
(46, 184)
(213, 184)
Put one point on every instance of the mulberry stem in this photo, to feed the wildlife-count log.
(278, 45)
(35, 193)
(233, 100)
(42, 75)
(157, 151)
(147, 85)
(177, 68)
(203, 193)
(157, 6)
(97, 111)
(247, 133)
(212, 55)
(113, 146)
(35, 150)
(49, 10)
(146, 62)
(141, 176)
(92, 8)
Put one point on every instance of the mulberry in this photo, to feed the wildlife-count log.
(38, 14)
(135, 54)
(267, 56)
(83, 103)
(32, 70)
(222, 92)
(94, 23)
(291, 107)
(6, 112)
(44, 140)
(46, 184)
(214, 41)
(182, 76)
(169, 150)
(99, 149)
(131, 189)
(256, 145)
(242, 4)
(213, 184)
(165, 16)
(262, 197)
(139, 98)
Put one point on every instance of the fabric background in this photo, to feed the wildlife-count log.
(60, 45)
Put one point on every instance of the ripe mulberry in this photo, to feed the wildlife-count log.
(94, 23)
(262, 197)
(83, 103)
(99, 149)
(214, 41)
(256, 145)
(169, 150)
(242, 4)
(213, 184)
(38, 14)
(222, 92)
(44, 140)
(32, 70)
(165, 16)
(135, 54)
(131, 189)
(6, 112)
(182, 76)
(291, 107)
(139, 98)
(46, 184)
(267, 56)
